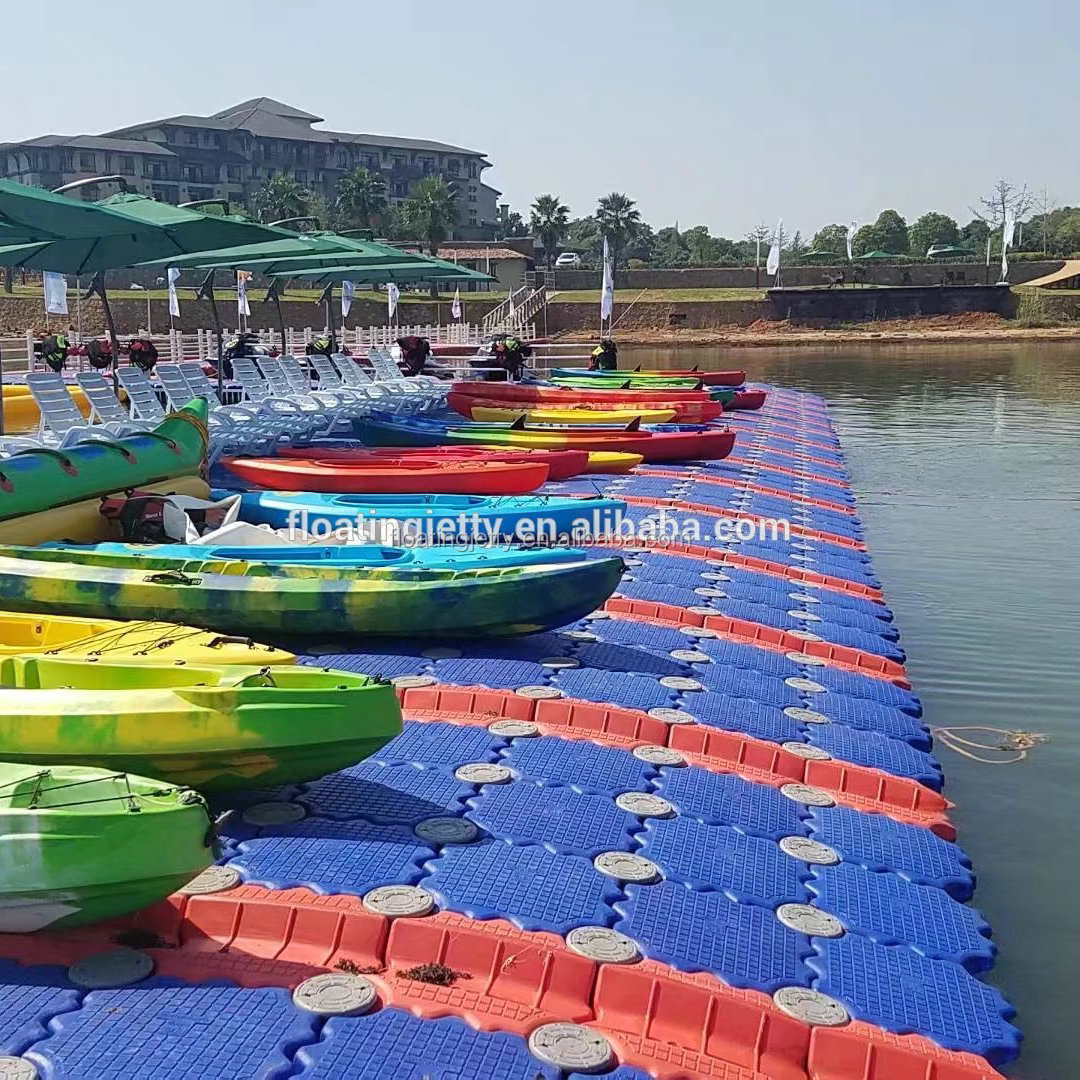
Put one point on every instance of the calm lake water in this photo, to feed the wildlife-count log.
(966, 464)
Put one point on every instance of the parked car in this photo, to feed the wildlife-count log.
(568, 260)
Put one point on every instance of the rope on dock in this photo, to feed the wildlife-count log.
(1013, 743)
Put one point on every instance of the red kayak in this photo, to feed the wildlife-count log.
(747, 399)
(698, 411)
(416, 476)
(565, 396)
(562, 464)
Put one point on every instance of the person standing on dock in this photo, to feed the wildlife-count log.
(605, 357)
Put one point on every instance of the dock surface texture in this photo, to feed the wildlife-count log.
(699, 833)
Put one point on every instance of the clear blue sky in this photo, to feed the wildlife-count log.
(703, 111)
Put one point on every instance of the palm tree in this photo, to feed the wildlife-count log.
(430, 212)
(549, 219)
(360, 197)
(619, 220)
(280, 197)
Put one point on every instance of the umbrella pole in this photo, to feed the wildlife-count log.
(206, 292)
(327, 299)
(2, 389)
(97, 288)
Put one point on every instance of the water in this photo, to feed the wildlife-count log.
(966, 463)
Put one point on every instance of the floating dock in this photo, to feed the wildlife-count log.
(699, 833)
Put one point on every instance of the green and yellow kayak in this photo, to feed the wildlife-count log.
(131, 642)
(35, 480)
(213, 728)
(241, 597)
(81, 845)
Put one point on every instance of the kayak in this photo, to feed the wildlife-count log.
(721, 394)
(380, 429)
(334, 556)
(562, 464)
(549, 394)
(213, 728)
(579, 415)
(469, 517)
(747, 399)
(21, 413)
(709, 378)
(80, 845)
(589, 402)
(706, 378)
(36, 480)
(609, 461)
(273, 599)
(412, 476)
(131, 642)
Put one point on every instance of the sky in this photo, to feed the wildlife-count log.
(706, 113)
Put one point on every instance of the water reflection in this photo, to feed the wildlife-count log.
(966, 461)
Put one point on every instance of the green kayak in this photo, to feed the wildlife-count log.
(723, 396)
(213, 728)
(81, 845)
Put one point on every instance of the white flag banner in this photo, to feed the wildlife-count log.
(393, 293)
(55, 293)
(1008, 230)
(173, 275)
(455, 310)
(242, 306)
(988, 239)
(772, 266)
(850, 237)
(607, 289)
(348, 291)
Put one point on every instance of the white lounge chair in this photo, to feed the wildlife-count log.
(62, 424)
(277, 379)
(358, 402)
(105, 407)
(308, 417)
(391, 395)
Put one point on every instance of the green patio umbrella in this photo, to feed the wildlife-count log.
(949, 251)
(876, 255)
(814, 256)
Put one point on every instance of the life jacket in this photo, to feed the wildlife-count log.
(414, 352)
(99, 353)
(320, 346)
(54, 351)
(605, 357)
(141, 517)
(143, 353)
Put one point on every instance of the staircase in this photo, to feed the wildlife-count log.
(517, 313)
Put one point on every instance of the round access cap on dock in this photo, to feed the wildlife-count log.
(557, 662)
(644, 804)
(715, 575)
(634, 562)
(603, 945)
(806, 716)
(678, 682)
(805, 635)
(115, 967)
(335, 993)
(658, 755)
(579, 635)
(274, 813)
(483, 772)
(672, 716)
(399, 901)
(447, 830)
(807, 795)
(804, 616)
(805, 658)
(809, 920)
(17, 1068)
(801, 545)
(805, 750)
(810, 1006)
(412, 682)
(809, 851)
(213, 879)
(626, 866)
(701, 609)
(803, 558)
(441, 652)
(538, 693)
(514, 729)
(598, 614)
(804, 598)
(571, 1048)
(697, 631)
(690, 656)
(708, 590)
(807, 686)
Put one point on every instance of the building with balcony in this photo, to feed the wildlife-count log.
(231, 154)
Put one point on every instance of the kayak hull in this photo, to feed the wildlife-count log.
(207, 727)
(572, 417)
(80, 845)
(709, 378)
(747, 399)
(416, 476)
(548, 394)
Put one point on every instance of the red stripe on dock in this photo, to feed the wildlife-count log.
(747, 485)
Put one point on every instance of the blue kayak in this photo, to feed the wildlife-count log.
(435, 518)
(360, 556)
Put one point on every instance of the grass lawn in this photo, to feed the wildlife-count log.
(662, 296)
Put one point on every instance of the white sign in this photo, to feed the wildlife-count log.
(607, 289)
(55, 293)
(174, 301)
(242, 305)
(348, 290)
(393, 293)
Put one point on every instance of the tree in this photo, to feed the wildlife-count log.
(1044, 205)
(831, 238)
(671, 249)
(583, 235)
(932, 228)
(1067, 234)
(797, 245)
(888, 233)
(430, 212)
(549, 218)
(759, 238)
(360, 198)
(619, 220)
(515, 225)
(700, 247)
(1006, 198)
(280, 197)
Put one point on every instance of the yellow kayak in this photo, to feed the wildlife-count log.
(21, 412)
(163, 643)
(621, 417)
(608, 461)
